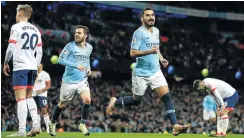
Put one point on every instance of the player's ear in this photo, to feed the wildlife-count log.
(141, 19)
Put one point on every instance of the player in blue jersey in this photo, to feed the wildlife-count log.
(209, 110)
(76, 58)
(145, 47)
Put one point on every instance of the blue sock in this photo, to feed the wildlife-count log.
(127, 101)
(169, 108)
(56, 113)
(85, 112)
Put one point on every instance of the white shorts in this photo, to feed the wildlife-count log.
(208, 114)
(140, 84)
(67, 91)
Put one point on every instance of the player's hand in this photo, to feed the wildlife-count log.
(39, 91)
(164, 62)
(81, 68)
(6, 69)
(154, 50)
(89, 73)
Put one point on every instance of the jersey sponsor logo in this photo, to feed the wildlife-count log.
(152, 44)
(133, 40)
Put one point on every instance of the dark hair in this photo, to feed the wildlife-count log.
(196, 84)
(145, 9)
(85, 28)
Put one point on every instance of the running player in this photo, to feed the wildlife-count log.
(226, 98)
(42, 84)
(145, 47)
(76, 58)
(24, 42)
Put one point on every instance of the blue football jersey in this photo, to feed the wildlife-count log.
(71, 56)
(209, 103)
(144, 40)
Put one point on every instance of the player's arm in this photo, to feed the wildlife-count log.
(135, 45)
(9, 53)
(219, 99)
(39, 50)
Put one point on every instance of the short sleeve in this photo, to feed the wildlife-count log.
(47, 77)
(39, 44)
(136, 40)
(13, 35)
(66, 51)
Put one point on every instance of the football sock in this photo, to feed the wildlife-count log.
(46, 120)
(39, 119)
(56, 113)
(85, 112)
(225, 123)
(169, 108)
(33, 111)
(22, 112)
(219, 125)
(127, 101)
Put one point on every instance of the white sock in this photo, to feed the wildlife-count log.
(33, 111)
(219, 125)
(22, 114)
(225, 123)
(46, 120)
(39, 120)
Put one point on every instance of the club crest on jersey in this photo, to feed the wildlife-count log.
(65, 51)
(133, 40)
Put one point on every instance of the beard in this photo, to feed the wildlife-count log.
(149, 24)
(80, 40)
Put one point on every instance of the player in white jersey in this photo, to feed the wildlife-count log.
(42, 84)
(24, 42)
(225, 96)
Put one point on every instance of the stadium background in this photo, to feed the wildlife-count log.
(189, 43)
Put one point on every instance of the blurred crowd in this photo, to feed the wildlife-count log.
(148, 117)
(186, 43)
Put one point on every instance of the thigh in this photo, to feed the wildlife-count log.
(83, 87)
(212, 114)
(158, 80)
(36, 99)
(32, 74)
(206, 115)
(67, 92)
(139, 85)
(231, 101)
(20, 79)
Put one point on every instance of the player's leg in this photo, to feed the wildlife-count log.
(36, 99)
(66, 94)
(160, 86)
(139, 85)
(205, 119)
(31, 104)
(84, 93)
(20, 86)
(44, 111)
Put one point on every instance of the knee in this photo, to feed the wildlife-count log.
(87, 100)
(44, 111)
(62, 104)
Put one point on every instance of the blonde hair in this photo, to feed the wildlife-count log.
(27, 10)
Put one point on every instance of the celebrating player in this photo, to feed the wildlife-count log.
(24, 42)
(42, 84)
(76, 58)
(145, 47)
(209, 108)
(225, 96)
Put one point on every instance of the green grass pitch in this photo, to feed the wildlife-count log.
(121, 135)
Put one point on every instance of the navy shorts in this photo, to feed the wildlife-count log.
(41, 101)
(24, 79)
(231, 101)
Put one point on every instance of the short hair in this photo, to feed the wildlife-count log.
(85, 28)
(196, 84)
(145, 9)
(26, 9)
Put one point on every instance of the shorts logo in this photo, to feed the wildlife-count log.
(133, 40)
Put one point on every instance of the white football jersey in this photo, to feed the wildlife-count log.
(26, 38)
(40, 83)
(225, 90)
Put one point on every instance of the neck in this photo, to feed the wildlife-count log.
(82, 44)
(148, 27)
(39, 71)
(23, 19)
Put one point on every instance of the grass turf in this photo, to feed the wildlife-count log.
(122, 135)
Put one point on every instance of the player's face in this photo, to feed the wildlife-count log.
(201, 86)
(80, 36)
(148, 18)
